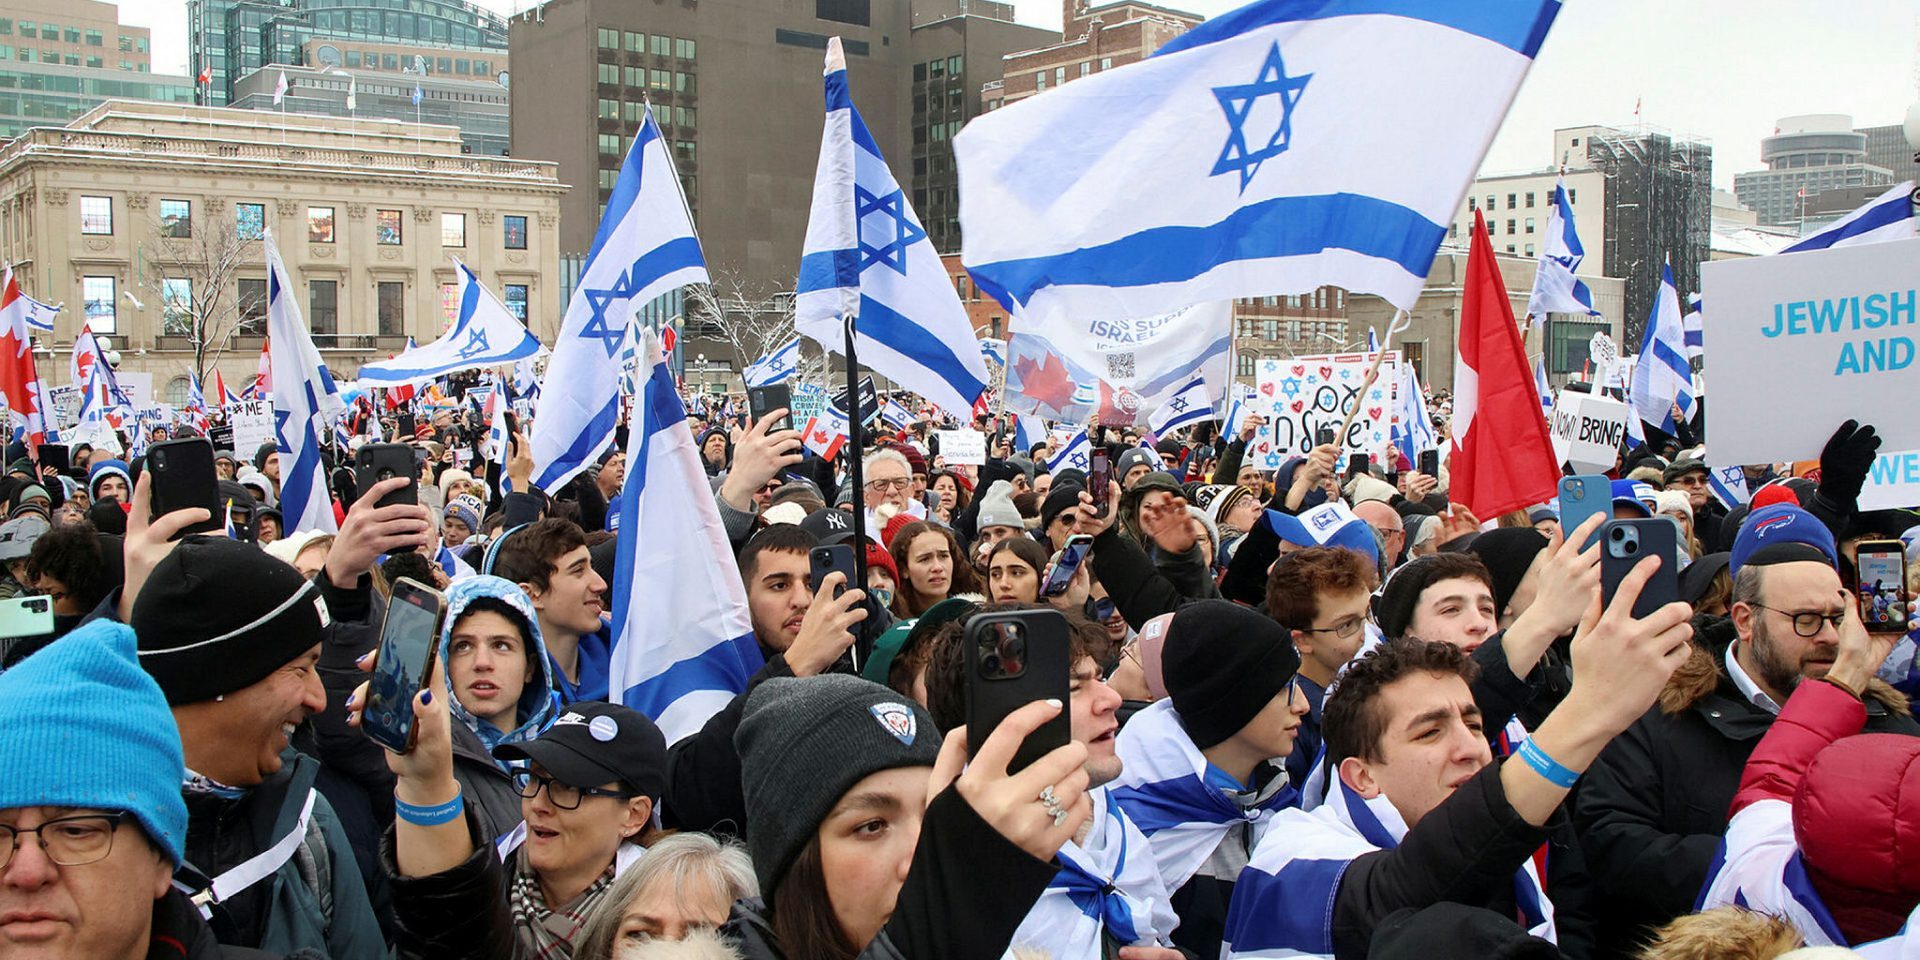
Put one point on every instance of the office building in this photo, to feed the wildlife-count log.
(475, 105)
(1092, 40)
(1806, 156)
(144, 219)
(1887, 147)
(61, 58)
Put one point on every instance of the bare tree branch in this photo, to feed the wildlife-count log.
(196, 270)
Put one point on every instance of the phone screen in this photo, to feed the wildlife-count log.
(1882, 590)
(407, 641)
(1060, 576)
(1098, 477)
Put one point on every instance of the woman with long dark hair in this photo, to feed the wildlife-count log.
(932, 566)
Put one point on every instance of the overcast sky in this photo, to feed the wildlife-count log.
(1722, 70)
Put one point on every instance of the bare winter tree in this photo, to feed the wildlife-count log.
(750, 322)
(196, 268)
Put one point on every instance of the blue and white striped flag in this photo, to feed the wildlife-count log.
(1027, 431)
(1077, 454)
(995, 349)
(782, 363)
(1188, 405)
(484, 334)
(867, 255)
(1729, 484)
(1413, 431)
(526, 384)
(1694, 329)
(497, 435)
(896, 416)
(1555, 288)
(1888, 216)
(645, 247)
(1542, 387)
(683, 645)
(304, 395)
(1247, 159)
(1662, 377)
(1239, 406)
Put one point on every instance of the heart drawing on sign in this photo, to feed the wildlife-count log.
(1373, 413)
(1299, 369)
(1299, 405)
(1326, 373)
(1267, 388)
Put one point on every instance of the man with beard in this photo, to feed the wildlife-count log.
(1654, 807)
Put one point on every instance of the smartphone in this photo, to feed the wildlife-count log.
(828, 559)
(1624, 543)
(1358, 464)
(764, 400)
(1882, 565)
(26, 617)
(183, 477)
(1015, 657)
(1581, 497)
(1324, 436)
(1060, 574)
(1099, 475)
(1430, 463)
(379, 461)
(409, 641)
(55, 455)
(405, 425)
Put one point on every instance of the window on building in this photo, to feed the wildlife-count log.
(1510, 248)
(176, 307)
(684, 49)
(1106, 63)
(1086, 67)
(6, 51)
(515, 297)
(29, 29)
(95, 62)
(1040, 80)
(684, 116)
(1490, 206)
(250, 220)
(1059, 75)
(453, 229)
(609, 73)
(1529, 199)
(661, 79)
(608, 178)
(1510, 228)
(1270, 328)
(1453, 230)
(513, 231)
(6, 30)
(251, 303)
(683, 152)
(449, 304)
(95, 39)
(1529, 224)
(96, 215)
(1571, 192)
(100, 295)
(1529, 249)
(609, 109)
(1244, 367)
(319, 224)
(176, 218)
(682, 82)
(662, 46)
(610, 144)
(390, 300)
(26, 54)
(386, 228)
(353, 58)
(636, 42)
(73, 35)
(636, 111)
(323, 306)
(856, 12)
(636, 76)
(1473, 203)
(954, 64)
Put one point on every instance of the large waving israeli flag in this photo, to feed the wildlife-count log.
(683, 644)
(645, 247)
(1263, 152)
(1555, 288)
(867, 255)
(1888, 216)
(304, 397)
(485, 334)
(1662, 377)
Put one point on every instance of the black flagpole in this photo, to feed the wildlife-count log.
(856, 441)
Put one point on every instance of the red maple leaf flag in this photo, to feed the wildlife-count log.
(1046, 383)
(19, 382)
(1502, 457)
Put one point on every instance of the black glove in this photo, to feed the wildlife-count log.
(1845, 460)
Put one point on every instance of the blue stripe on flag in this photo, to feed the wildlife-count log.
(1503, 23)
(879, 323)
(829, 270)
(599, 431)
(1287, 910)
(1884, 215)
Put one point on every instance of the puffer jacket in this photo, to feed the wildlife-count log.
(179, 934)
(487, 783)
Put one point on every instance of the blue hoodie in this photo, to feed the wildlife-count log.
(537, 700)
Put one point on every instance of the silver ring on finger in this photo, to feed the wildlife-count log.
(1051, 804)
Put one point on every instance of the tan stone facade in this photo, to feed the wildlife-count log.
(76, 32)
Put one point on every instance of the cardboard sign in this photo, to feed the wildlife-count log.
(1300, 395)
(252, 422)
(1587, 430)
(1803, 341)
(963, 446)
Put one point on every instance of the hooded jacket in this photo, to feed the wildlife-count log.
(487, 783)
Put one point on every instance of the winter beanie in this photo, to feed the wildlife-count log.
(1223, 663)
(1059, 500)
(466, 509)
(261, 453)
(214, 617)
(1507, 552)
(1401, 594)
(81, 725)
(804, 742)
(106, 468)
(1781, 533)
(997, 509)
(1134, 457)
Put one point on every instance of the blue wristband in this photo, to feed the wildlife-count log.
(1547, 766)
(430, 816)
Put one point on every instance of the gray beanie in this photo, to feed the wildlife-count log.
(1023, 465)
(1134, 457)
(997, 509)
(804, 742)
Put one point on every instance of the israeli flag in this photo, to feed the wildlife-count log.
(1729, 485)
(1245, 158)
(525, 383)
(994, 349)
(1077, 454)
(645, 247)
(1240, 406)
(1413, 431)
(1555, 288)
(484, 334)
(1541, 386)
(39, 316)
(1693, 328)
(1188, 405)
(775, 367)
(304, 396)
(683, 644)
(1662, 377)
(896, 416)
(497, 435)
(1887, 217)
(1027, 431)
(866, 255)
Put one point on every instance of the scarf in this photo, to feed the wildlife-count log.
(542, 933)
(1283, 905)
(199, 784)
(1108, 889)
(1164, 792)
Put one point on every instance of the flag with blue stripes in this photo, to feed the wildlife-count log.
(498, 438)
(995, 349)
(1555, 288)
(866, 255)
(1239, 406)
(683, 644)
(1077, 454)
(1729, 485)
(1759, 867)
(1188, 405)
(1693, 328)
(645, 247)
(1413, 432)
(1542, 387)
(896, 416)
(1888, 216)
(484, 334)
(1243, 159)
(1662, 377)
(304, 397)
(776, 367)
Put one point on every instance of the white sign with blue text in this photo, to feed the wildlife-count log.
(1801, 341)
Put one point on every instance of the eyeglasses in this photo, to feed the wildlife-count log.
(884, 483)
(1807, 623)
(67, 841)
(1343, 629)
(566, 796)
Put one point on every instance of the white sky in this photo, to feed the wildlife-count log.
(1724, 70)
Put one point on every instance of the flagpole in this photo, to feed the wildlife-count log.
(856, 440)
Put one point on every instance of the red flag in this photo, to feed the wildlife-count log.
(1502, 456)
(20, 388)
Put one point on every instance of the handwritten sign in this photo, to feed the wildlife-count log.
(1299, 396)
(1587, 430)
(252, 422)
(963, 446)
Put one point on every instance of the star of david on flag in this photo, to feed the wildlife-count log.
(469, 344)
(1239, 102)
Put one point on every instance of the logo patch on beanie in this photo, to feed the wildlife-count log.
(1764, 527)
(897, 719)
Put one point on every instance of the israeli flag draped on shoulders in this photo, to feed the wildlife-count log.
(1758, 867)
(304, 395)
(683, 645)
(776, 367)
(1283, 905)
(1555, 288)
(1888, 216)
(1261, 152)
(484, 334)
(1662, 377)
(1109, 886)
(867, 255)
(645, 247)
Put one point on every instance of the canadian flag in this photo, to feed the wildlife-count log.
(222, 396)
(826, 433)
(19, 383)
(1502, 456)
(263, 379)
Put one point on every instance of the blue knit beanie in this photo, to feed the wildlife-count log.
(107, 468)
(81, 725)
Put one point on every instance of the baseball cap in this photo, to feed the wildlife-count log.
(1330, 524)
(1635, 494)
(592, 743)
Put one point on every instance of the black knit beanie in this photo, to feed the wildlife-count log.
(217, 616)
(1223, 664)
(1060, 498)
(1393, 611)
(1507, 552)
(804, 742)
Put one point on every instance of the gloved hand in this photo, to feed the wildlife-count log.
(1845, 460)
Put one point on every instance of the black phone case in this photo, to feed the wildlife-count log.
(1430, 463)
(824, 560)
(762, 400)
(1658, 537)
(375, 458)
(183, 477)
(1048, 675)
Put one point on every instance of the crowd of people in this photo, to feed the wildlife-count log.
(1311, 713)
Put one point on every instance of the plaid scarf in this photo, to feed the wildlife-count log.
(547, 934)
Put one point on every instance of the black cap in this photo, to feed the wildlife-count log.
(827, 521)
(592, 743)
(217, 615)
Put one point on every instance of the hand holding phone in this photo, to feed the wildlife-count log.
(1015, 657)
(1099, 478)
(1060, 574)
(1624, 543)
(1581, 497)
(762, 401)
(1882, 593)
(833, 558)
(184, 477)
(381, 461)
(409, 644)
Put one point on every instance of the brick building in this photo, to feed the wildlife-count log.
(1092, 40)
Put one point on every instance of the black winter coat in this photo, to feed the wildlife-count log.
(461, 912)
(179, 934)
(703, 770)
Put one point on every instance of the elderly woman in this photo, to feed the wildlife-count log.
(687, 883)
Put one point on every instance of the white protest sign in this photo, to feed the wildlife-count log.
(1892, 482)
(1587, 431)
(1803, 341)
(137, 385)
(66, 405)
(252, 422)
(963, 446)
(1303, 394)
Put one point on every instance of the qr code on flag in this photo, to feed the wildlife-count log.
(1120, 366)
